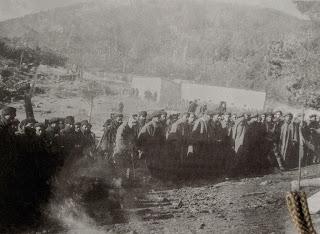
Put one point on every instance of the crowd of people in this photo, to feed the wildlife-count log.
(188, 144)
(212, 142)
(31, 155)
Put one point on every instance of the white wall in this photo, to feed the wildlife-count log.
(238, 98)
(146, 83)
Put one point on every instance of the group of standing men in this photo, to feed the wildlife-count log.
(31, 154)
(181, 143)
(210, 143)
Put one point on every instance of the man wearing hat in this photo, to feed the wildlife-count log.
(262, 118)
(164, 124)
(312, 137)
(77, 127)
(216, 140)
(52, 130)
(227, 125)
(110, 132)
(170, 120)
(203, 109)
(288, 140)
(277, 115)
(234, 118)
(105, 143)
(15, 126)
(126, 147)
(270, 142)
(191, 119)
(198, 141)
(239, 130)
(52, 134)
(69, 127)
(61, 124)
(68, 136)
(7, 116)
(277, 123)
(8, 153)
(150, 139)
(88, 140)
(109, 121)
(193, 106)
(120, 107)
(177, 139)
(27, 127)
(254, 143)
(163, 117)
(142, 117)
(40, 129)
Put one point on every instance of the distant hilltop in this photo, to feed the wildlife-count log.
(209, 42)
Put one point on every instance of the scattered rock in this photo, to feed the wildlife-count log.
(132, 232)
(178, 205)
(220, 215)
(253, 194)
(264, 183)
(165, 200)
(202, 226)
(205, 211)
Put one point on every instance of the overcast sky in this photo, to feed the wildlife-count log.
(16, 8)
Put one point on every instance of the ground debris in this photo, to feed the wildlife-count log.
(253, 194)
(267, 182)
(178, 205)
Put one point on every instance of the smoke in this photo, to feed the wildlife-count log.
(73, 218)
(80, 189)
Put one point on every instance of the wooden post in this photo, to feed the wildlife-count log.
(21, 59)
(27, 98)
(28, 106)
(91, 106)
(301, 147)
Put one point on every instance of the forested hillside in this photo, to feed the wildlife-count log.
(201, 40)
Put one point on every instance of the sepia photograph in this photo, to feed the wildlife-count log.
(159, 116)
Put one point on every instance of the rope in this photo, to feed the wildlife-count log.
(299, 211)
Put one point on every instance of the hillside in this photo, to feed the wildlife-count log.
(189, 39)
(209, 42)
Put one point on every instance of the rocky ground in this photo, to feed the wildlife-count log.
(248, 205)
(243, 205)
(63, 98)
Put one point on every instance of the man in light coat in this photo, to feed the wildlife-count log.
(126, 147)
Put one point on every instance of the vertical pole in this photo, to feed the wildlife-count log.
(21, 58)
(91, 106)
(301, 150)
(28, 106)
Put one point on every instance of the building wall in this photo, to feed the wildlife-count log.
(170, 93)
(146, 83)
(237, 98)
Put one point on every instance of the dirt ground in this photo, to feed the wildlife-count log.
(248, 205)
(66, 98)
